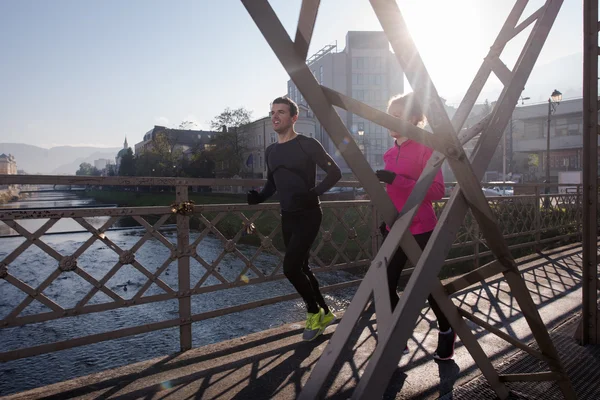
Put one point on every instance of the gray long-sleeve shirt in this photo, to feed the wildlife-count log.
(292, 169)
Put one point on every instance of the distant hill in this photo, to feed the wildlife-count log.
(56, 160)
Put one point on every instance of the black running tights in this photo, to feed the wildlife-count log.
(299, 232)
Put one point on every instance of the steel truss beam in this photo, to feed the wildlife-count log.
(589, 329)
(395, 328)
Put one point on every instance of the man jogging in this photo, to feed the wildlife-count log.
(291, 172)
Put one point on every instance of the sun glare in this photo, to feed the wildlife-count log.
(448, 37)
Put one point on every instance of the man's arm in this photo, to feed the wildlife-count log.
(269, 189)
(327, 164)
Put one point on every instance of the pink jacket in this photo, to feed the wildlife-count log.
(408, 161)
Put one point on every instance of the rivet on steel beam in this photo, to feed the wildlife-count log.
(451, 152)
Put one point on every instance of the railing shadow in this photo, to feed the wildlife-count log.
(280, 371)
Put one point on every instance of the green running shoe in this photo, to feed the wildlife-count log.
(327, 320)
(313, 325)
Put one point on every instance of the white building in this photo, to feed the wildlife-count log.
(102, 163)
(529, 139)
(366, 70)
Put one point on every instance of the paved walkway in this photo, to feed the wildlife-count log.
(276, 363)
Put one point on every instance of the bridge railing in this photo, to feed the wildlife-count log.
(187, 251)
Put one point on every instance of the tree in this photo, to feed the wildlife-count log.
(86, 169)
(187, 125)
(200, 165)
(127, 167)
(231, 144)
(231, 119)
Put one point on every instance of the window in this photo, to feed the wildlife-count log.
(273, 137)
(290, 89)
(575, 126)
(534, 129)
(260, 161)
(358, 62)
(321, 74)
(560, 127)
(376, 63)
(358, 94)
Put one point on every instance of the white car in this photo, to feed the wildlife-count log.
(491, 192)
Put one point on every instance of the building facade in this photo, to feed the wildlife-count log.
(367, 71)
(529, 139)
(8, 164)
(180, 139)
(102, 163)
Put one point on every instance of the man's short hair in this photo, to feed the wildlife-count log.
(289, 102)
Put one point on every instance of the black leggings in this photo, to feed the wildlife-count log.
(394, 271)
(299, 232)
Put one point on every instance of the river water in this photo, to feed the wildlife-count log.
(33, 266)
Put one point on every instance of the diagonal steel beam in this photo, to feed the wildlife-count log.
(306, 25)
(399, 229)
(386, 120)
(380, 367)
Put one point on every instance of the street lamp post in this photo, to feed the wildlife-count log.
(553, 102)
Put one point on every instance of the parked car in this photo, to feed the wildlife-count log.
(491, 192)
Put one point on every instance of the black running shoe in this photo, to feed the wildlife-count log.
(445, 348)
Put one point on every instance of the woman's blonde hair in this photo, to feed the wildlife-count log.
(411, 107)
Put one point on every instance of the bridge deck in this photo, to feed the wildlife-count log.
(276, 363)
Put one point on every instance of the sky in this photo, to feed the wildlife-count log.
(96, 71)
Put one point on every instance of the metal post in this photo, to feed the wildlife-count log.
(588, 329)
(476, 241)
(504, 160)
(183, 272)
(548, 146)
(538, 219)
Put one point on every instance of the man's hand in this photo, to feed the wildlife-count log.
(385, 176)
(306, 200)
(254, 197)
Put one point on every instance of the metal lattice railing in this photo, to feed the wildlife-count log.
(213, 248)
